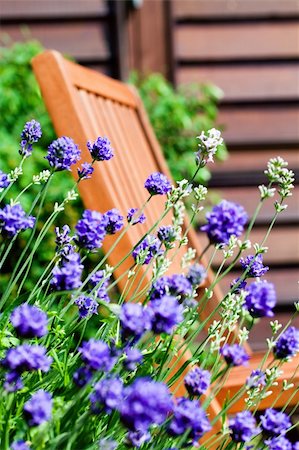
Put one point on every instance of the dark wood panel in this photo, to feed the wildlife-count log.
(203, 9)
(82, 40)
(254, 160)
(237, 41)
(250, 82)
(249, 198)
(283, 245)
(29, 9)
(285, 281)
(260, 125)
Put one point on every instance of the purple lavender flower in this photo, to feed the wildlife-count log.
(237, 285)
(188, 415)
(157, 184)
(167, 313)
(279, 443)
(27, 358)
(67, 276)
(135, 217)
(133, 357)
(107, 395)
(13, 382)
(101, 149)
(19, 445)
(29, 321)
(243, 427)
(135, 320)
(257, 269)
(274, 422)
(145, 403)
(87, 306)
(257, 378)
(85, 171)
(176, 285)
(97, 279)
(146, 250)
(296, 446)
(138, 438)
(4, 181)
(287, 345)
(13, 219)
(114, 221)
(197, 381)
(31, 133)
(91, 230)
(97, 355)
(260, 299)
(38, 409)
(167, 235)
(225, 220)
(196, 274)
(63, 153)
(82, 376)
(234, 355)
(63, 237)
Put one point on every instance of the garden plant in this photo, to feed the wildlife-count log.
(85, 367)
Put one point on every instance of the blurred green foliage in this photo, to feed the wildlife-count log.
(178, 116)
(20, 101)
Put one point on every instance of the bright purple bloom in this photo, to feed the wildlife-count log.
(134, 217)
(82, 376)
(13, 219)
(197, 381)
(279, 443)
(225, 220)
(107, 395)
(19, 445)
(257, 269)
(133, 357)
(27, 358)
(188, 415)
(167, 235)
(97, 355)
(243, 427)
(257, 378)
(135, 320)
(296, 446)
(114, 221)
(67, 276)
(260, 299)
(29, 321)
(146, 250)
(63, 153)
(138, 438)
(87, 306)
(91, 230)
(145, 403)
(157, 184)
(287, 345)
(196, 274)
(85, 171)
(237, 285)
(4, 181)
(97, 279)
(39, 408)
(275, 422)
(167, 313)
(101, 149)
(31, 133)
(63, 237)
(13, 382)
(176, 285)
(234, 355)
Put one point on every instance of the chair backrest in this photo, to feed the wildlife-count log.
(85, 104)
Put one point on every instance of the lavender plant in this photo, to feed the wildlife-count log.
(84, 369)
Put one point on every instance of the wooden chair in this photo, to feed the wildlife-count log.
(84, 104)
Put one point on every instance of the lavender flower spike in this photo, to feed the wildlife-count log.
(234, 355)
(208, 145)
(243, 427)
(39, 408)
(29, 321)
(31, 133)
(101, 149)
(260, 299)
(63, 153)
(4, 181)
(157, 184)
(13, 219)
(287, 344)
